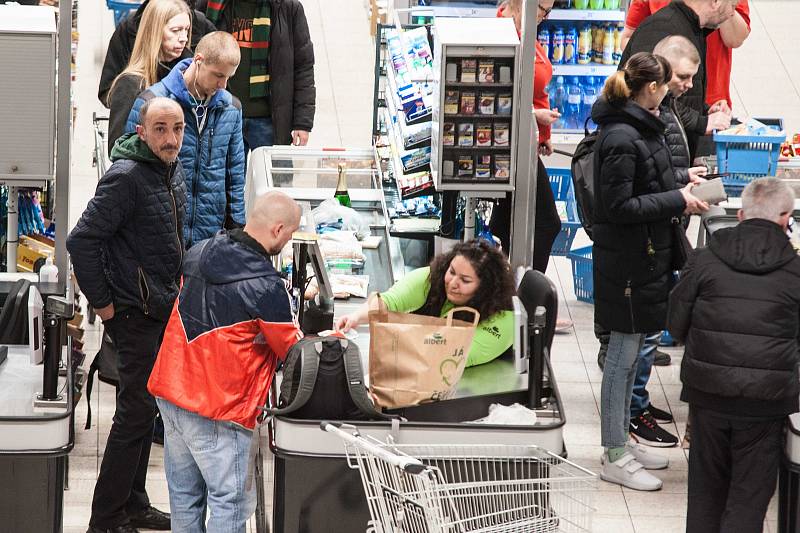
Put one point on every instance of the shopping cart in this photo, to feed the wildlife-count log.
(468, 488)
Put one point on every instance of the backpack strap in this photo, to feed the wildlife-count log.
(309, 366)
(355, 383)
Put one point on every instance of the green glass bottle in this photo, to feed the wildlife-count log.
(341, 188)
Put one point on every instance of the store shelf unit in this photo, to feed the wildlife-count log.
(399, 138)
(474, 128)
(603, 58)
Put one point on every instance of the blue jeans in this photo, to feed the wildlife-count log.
(640, 400)
(257, 132)
(206, 463)
(619, 373)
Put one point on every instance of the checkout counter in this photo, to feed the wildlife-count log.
(314, 489)
(36, 411)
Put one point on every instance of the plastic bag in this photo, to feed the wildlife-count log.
(330, 212)
(509, 415)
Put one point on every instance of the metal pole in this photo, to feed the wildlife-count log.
(524, 196)
(12, 232)
(469, 218)
(52, 356)
(63, 140)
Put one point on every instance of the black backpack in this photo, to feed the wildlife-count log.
(583, 178)
(323, 379)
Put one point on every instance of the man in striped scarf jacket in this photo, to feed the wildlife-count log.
(275, 79)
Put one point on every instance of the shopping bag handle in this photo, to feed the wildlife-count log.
(381, 307)
(476, 315)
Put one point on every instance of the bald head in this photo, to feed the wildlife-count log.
(675, 47)
(684, 59)
(272, 220)
(161, 127)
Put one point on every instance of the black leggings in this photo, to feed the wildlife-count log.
(548, 223)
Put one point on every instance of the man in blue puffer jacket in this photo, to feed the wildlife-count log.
(212, 155)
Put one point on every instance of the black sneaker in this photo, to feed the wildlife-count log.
(662, 359)
(646, 430)
(658, 414)
(119, 529)
(150, 518)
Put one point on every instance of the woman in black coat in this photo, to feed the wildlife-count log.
(636, 200)
(162, 37)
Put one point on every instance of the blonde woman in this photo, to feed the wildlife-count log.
(161, 40)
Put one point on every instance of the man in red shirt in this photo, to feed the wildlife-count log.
(720, 44)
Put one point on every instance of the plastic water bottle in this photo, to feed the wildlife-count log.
(558, 100)
(589, 98)
(49, 272)
(574, 100)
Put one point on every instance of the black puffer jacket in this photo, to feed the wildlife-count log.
(127, 247)
(737, 307)
(677, 141)
(677, 19)
(120, 48)
(635, 200)
(291, 67)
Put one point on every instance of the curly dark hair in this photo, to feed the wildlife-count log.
(496, 287)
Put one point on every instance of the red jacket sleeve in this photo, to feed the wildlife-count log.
(542, 74)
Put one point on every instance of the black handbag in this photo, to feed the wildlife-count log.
(681, 247)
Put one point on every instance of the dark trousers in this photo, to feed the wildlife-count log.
(547, 221)
(120, 489)
(733, 467)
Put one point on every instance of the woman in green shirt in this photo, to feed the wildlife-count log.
(473, 274)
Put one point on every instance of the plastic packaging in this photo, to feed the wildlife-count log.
(331, 212)
(49, 272)
(509, 415)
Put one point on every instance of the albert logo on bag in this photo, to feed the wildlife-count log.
(436, 338)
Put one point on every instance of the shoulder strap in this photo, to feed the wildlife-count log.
(355, 382)
(309, 366)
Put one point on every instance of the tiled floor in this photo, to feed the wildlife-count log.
(766, 83)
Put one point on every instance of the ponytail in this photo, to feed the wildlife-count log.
(641, 70)
(615, 89)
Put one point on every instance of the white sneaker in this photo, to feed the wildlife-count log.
(628, 472)
(650, 461)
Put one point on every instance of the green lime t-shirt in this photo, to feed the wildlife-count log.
(493, 336)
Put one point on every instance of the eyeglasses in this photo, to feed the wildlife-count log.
(545, 11)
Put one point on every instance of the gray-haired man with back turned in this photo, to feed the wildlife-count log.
(737, 307)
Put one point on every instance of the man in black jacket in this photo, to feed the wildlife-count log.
(120, 47)
(275, 79)
(691, 19)
(127, 250)
(737, 307)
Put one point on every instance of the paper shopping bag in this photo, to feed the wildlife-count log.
(415, 359)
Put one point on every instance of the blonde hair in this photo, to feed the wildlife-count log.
(642, 69)
(149, 37)
(219, 47)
